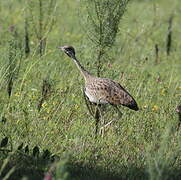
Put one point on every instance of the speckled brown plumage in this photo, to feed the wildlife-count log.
(102, 90)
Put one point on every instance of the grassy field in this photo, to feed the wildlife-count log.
(140, 145)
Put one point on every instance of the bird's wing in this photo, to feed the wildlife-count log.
(110, 91)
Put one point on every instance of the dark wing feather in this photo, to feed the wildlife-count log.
(111, 92)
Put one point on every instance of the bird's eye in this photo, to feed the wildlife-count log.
(68, 49)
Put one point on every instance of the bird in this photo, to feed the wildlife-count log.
(101, 91)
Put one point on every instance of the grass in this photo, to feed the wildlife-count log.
(141, 145)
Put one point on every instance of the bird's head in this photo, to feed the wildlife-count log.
(69, 50)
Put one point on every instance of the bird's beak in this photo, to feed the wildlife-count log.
(61, 47)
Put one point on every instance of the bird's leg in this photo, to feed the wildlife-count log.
(102, 130)
(119, 115)
(95, 113)
(88, 103)
(118, 111)
(97, 117)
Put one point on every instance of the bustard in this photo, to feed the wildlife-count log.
(102, 90)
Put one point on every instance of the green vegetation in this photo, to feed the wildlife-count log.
(45, 127)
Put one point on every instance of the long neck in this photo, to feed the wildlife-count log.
(85, 73)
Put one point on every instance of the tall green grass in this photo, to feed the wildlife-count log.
(140, 145)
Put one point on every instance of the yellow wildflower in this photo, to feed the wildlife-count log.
(17, 94)
(44, 105)
(155, 108)
(54, 102)
(163, 91)
(145, 106)
(76, 106)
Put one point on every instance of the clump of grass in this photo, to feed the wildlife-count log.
(62, 170)
(45, 92)
(42, 16)
(103, 19)
(6, 176)
(26, 35)
(14, 58)
(28, 160)
(163, 154)
(169, 35)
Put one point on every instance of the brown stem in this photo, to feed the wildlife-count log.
(99, 63)
(169, 36)
(27, 47)
(156, 54)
